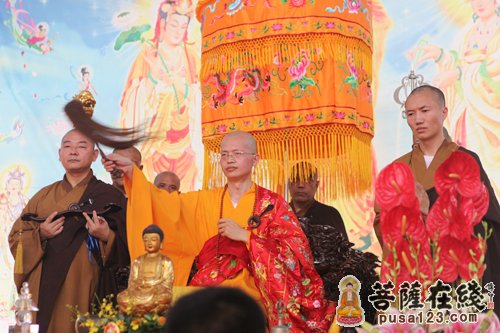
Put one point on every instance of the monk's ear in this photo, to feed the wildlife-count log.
(95, 154)
(445, 113)
(256, 159)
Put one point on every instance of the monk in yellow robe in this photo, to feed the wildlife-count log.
(241, 235)
(57, 260)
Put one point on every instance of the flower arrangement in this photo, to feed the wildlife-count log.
(106, 318)
(438, 246)
(444, 247)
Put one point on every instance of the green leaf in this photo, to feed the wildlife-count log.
(134, 34)
(308, 81)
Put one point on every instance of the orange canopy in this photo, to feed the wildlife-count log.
(297, 74)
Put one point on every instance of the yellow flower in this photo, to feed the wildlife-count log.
(128, 310)
(135, 324)
(121, 325)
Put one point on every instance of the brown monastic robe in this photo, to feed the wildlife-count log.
(60, 271)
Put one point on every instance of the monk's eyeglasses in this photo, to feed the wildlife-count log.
(235, 154)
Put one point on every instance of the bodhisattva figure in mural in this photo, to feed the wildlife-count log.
(161, 91)
(469, 76)
(151, 278)
(12, 202)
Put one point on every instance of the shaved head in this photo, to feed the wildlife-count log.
(244, 137)
(74, 130)
(303, 171)
(238, 156)
(77, 152)
(435, 93)
(167, 181)
(132, 153)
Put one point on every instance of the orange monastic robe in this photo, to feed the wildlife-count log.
(178, 213)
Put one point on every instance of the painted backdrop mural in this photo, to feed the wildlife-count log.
(162, 90)
(140, 60)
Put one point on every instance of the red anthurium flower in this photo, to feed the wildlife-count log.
(413, 261)
(473, 209)
(451, 216)
(396, 269)
(481, 203)
(395, 186)
(388, 265)
(416, 258)
(459, 172)
(456, 215)
(456, 258)
(402, 224)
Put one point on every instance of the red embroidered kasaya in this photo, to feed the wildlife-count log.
(279, 258)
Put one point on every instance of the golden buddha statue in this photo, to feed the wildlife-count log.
(151, 278)
(349, 311)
